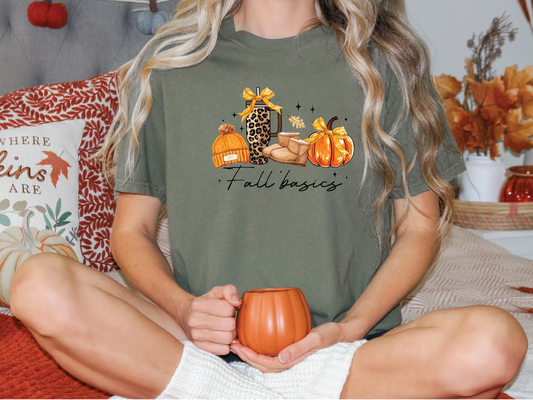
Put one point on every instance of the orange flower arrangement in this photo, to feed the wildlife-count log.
(493, 107)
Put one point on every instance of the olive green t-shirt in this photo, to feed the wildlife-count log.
(270, 224)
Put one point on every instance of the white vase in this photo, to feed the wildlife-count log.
(528, 159)
(483, 178)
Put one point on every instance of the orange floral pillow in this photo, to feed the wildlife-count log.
(94, 101)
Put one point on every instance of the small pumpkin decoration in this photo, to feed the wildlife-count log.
(271, 319)
(329, 147)
(18, 243)
(150, 21)
(47, 15)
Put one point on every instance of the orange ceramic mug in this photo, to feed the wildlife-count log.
(271, 319)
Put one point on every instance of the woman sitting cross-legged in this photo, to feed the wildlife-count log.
(283, 136)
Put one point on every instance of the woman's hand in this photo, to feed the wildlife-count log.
(322, 336)
(209, 320)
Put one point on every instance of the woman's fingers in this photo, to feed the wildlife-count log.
(204, 321)
(228, 293)
(214, 330)
(262, 362)
(213, 348)
(211, 306)
(211, 321)
(320, 337)
(206, 335)
(219, 301)
(312, 341)
(259, 361)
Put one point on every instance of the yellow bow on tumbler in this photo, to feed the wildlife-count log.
(265, 95)
(335, 134)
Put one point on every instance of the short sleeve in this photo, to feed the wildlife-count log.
(148, 175)
(449, 160)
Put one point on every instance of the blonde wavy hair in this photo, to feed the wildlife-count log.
(192, 34)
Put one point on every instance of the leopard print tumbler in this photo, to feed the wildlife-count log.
(258, 133)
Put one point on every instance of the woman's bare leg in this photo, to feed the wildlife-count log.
(108, 337)
(469, 352)
(96, 329)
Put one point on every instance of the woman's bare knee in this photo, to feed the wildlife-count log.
(484, 350)
(39, 292)
(506, 339)
(460, 352)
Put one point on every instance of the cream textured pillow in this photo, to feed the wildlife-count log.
(38, 194)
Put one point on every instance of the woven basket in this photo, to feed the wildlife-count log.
(494, 216)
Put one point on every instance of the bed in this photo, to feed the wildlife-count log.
(100, 36)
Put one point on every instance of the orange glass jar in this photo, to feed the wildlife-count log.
(519, 185)
(271, 319)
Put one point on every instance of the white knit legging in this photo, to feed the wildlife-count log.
(201, 375)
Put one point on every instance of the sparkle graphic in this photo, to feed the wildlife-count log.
(241, 128)
(298, 106)
(234, 115)
(334, 174)
(312, 109)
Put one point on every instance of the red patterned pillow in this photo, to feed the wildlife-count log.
(95, 101)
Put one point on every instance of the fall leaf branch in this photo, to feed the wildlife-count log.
(494, 108)
(487, 47)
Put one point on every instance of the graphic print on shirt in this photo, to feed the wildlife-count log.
(229, 147)
(258, 125)
(326, 147)
(329, 147)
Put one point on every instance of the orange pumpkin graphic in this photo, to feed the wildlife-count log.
(330, 148)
